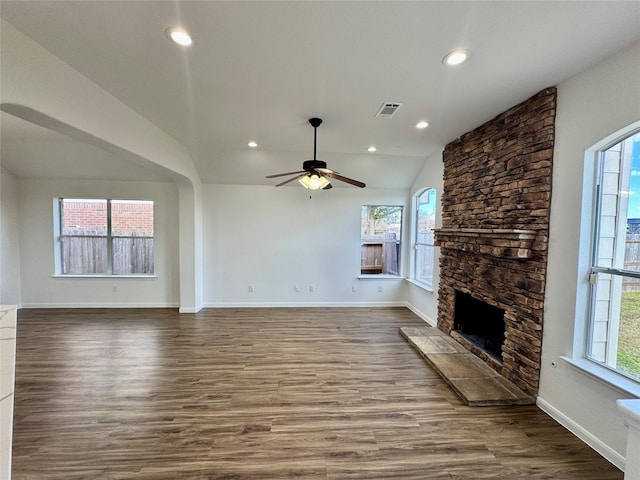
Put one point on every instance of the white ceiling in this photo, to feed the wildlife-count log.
(29, 150)
(258, 70)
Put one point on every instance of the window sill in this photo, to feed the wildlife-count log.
(605, 376)
(423, 286)
(119, 277)
(380, 276)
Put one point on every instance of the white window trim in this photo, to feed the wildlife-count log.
(380, 276)
(386, 276)
(103, 276)
(579, 358)
(414, 245)
(424, 286)
(57, 245)
(604, 375)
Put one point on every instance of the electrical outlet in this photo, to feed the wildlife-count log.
(296, 288)
(380, 288)
(114, 288)
(251, 289)
(311, 288)
(354, 288)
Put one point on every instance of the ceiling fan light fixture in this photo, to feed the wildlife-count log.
(313, 181)
(324, 181)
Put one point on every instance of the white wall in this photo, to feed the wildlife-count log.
(9, 243)
(275, 238)
(38, 87)
(591, 106)
(423, 302)
(41, 289)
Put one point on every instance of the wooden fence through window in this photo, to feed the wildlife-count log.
(89, 255)
(379, 254)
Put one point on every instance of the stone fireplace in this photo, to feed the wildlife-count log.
(494, 235)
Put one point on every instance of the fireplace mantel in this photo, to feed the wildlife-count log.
(498, 242)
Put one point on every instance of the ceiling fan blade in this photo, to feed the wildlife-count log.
(327, 186)
(291, 179)
(285, 174)
(326, 171)
(345, 179)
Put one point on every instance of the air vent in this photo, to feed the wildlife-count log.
(388, 109)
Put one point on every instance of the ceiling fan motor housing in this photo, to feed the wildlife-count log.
(309, 165)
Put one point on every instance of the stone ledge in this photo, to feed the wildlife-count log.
(473, 381)
(498, 242)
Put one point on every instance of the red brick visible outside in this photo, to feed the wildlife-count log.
(90, 218)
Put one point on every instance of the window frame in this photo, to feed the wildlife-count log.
(415, 231)
(589, 236)
(399, 242)
(109, 237)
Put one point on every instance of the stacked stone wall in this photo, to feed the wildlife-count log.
(497, 179)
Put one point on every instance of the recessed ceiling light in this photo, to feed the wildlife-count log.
(252, 144)
(372, 149)
(180, 36)
(456, 57)
(422, 124)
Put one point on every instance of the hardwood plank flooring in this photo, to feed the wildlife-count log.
(239, 394)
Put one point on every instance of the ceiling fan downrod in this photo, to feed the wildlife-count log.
(315, 123)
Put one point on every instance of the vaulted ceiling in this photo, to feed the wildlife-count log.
(259, 69)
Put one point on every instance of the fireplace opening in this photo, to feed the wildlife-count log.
(480, 323)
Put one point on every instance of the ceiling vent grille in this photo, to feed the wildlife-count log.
(388, 109)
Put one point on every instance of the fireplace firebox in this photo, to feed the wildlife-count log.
(480, 322)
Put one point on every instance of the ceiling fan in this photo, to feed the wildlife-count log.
(315, 174)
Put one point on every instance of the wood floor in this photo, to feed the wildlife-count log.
(261, 394)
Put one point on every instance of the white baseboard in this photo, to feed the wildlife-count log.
(422, 315)
(595, 443)
(190, 309)
(235, 305)
(303, 304)
(99, 305)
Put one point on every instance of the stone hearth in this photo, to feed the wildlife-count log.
(476, 384)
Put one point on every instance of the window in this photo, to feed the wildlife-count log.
(613, 338)
(424, 223)
(380, 234)
(105, 237)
